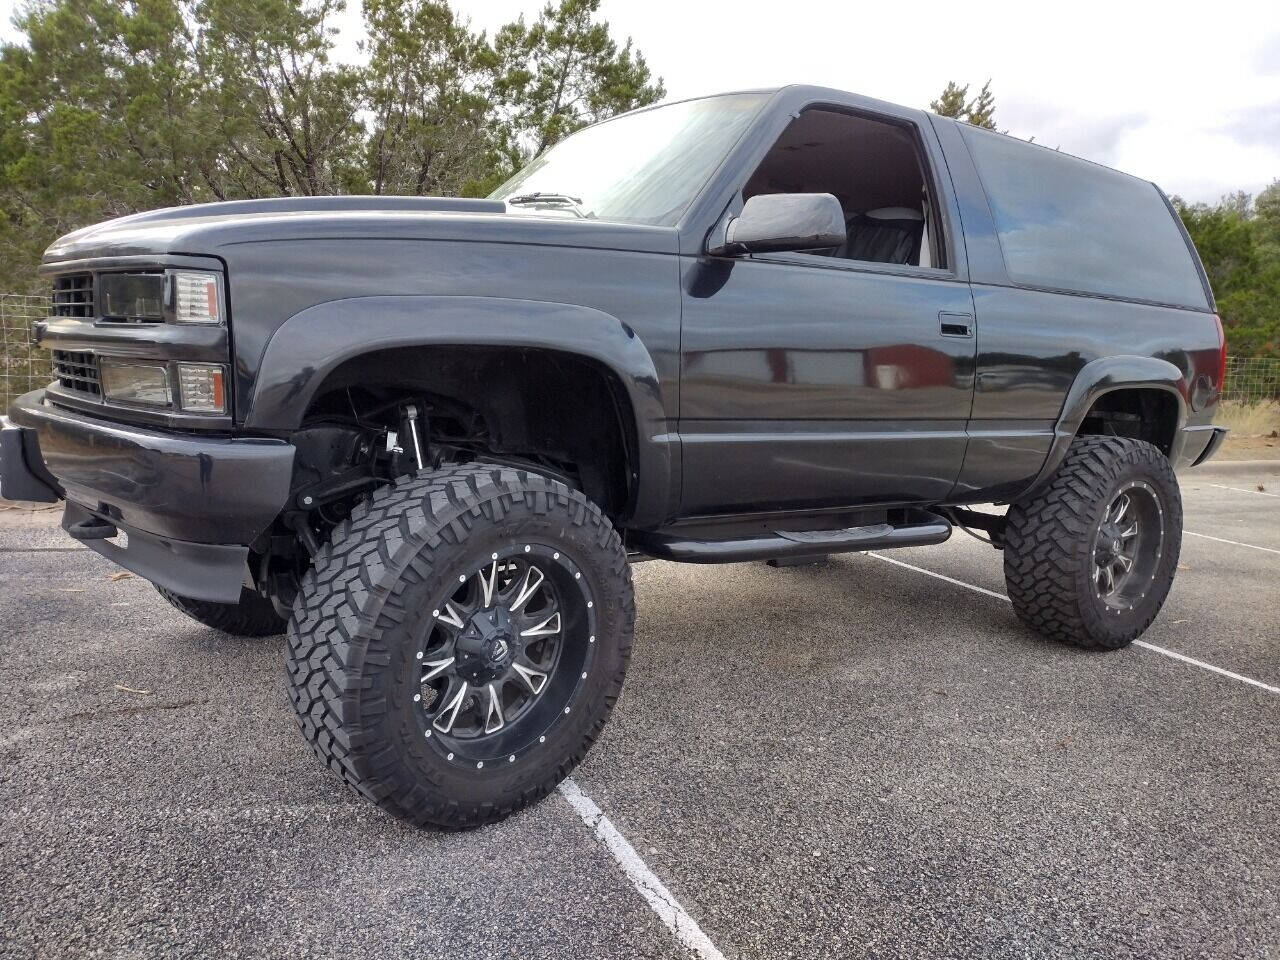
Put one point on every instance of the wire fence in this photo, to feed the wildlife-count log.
(1252, 380)
(23, 366)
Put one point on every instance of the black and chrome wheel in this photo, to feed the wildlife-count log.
(505, 654)
(1127, 546)
(1090, 558)
(460, 642)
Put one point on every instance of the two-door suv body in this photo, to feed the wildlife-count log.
(427, 436)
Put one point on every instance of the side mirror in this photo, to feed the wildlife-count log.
(773, 222)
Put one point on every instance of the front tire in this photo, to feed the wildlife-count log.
(460, 641)
(1090, 558)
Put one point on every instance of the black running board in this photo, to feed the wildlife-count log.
(878, 536)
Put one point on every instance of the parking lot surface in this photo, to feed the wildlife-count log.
(854, 759)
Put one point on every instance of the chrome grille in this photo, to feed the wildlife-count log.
(73, 295)
(77, 371)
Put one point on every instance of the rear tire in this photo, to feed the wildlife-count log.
(1090, 558)
(253, 616)
(414, 622)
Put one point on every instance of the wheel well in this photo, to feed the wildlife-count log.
(557, 412)
(1140, 413)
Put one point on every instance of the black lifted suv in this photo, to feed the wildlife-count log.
(427, 436)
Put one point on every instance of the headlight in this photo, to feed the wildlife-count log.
(201, 388)
(135, 383)
(136, 297)
(195, 297)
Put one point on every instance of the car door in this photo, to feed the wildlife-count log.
(811, 381)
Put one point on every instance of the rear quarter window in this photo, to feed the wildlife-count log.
(1069, 224)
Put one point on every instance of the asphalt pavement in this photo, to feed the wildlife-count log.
(858, 759)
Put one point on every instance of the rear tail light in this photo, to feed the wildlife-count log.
(1222, 353)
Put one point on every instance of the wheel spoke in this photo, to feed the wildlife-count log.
(451, 616)
(486, 585)
(548, 627)
(1106, 582)
(433, 668)
(1126, 564)
(1120, 508)
(534, 678)
(449, 712)
(493, 721)
(532, 581)
(1130, 533)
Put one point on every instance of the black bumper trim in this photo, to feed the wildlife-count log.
(1215, 441)
(180, 486)
(202, 571)
(22, 472)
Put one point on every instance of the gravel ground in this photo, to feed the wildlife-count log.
(852, 759)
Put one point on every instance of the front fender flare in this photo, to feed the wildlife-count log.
(1103, 376)
(308, 346)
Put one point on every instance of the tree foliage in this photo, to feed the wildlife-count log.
(429, 87)
(1239, 243)
(955, 102)
(565, 72)
(112, 106)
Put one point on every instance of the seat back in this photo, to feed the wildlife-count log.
(885, 235)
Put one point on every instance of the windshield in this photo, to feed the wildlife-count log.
(644, 167)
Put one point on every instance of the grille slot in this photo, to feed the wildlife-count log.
(73, 295)
(77, 372)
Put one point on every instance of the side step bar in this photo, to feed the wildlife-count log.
(768, 546)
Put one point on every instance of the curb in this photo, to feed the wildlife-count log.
(1235, 468)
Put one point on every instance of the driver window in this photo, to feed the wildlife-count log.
(874, 169)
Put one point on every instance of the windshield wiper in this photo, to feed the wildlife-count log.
(544, 197)
(557, 201)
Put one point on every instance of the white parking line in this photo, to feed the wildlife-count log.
(1234, 543)
(1137, 643)
(666, 906)
(1261, 493)
(1207, 666)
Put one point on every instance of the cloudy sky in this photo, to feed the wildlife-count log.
(1184, 94)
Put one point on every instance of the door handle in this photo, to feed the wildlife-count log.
(956, 324)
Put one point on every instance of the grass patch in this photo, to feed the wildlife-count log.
(1249, 419)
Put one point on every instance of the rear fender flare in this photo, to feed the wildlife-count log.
(310, 345)
(1103, 376)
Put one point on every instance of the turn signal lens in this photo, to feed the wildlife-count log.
(202, 388)
(195, 297)
(135, 383)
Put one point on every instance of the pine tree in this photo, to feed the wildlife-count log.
(954, 102)
(565, 71)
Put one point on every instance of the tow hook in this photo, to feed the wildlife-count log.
(93, 528)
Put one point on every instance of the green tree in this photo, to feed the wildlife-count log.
(954, 101)
(1234, 240)
(98, 119)
(286, 114)
(108, 107)
(1267, 208)
(565, 71)
(428, 88)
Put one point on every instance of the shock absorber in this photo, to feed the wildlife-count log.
(411, 425)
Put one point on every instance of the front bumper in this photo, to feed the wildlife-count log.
(189, 505)
(22, 472)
